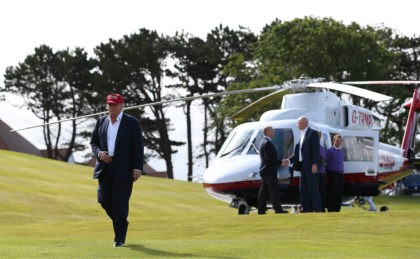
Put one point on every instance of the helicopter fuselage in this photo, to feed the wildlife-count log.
(369, 165)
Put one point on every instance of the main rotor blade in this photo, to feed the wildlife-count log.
(276, 96)
(188, 98)
(352, 90)
(385, 82)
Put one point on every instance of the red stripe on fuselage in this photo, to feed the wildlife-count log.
(348, 178)
(220, 187)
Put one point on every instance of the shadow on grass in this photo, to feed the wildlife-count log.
(150, 251)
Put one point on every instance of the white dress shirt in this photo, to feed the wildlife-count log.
(111, 133)
(302, 137)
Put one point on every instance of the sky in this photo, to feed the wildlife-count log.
(62, 24)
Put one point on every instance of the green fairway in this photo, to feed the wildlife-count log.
(48, 209)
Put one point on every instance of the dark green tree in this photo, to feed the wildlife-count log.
(407, 67)
(226, 44)
(199, 70)
(55, 86)
(316, 48)
(76, 69)
(194, 68)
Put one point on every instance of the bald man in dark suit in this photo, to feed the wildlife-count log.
(306, 159)
(118, 146)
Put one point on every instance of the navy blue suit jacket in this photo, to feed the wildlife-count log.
(268, 157)
(128, 153)
(310, 151)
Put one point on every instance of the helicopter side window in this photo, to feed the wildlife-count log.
(237, 143)
(283, 141)
(324, 140)
(357, 148)
(254, 148)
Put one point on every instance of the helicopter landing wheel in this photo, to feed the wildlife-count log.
(243, 208)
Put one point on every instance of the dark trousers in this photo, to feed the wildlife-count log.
(322, 190)
(114, 198)
(335, 190)
(309, 192)
(269, 186)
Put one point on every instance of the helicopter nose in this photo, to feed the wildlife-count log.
(234, 169)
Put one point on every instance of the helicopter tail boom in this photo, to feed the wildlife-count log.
(410, 127)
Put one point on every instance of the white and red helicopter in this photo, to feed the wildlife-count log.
(370, 165)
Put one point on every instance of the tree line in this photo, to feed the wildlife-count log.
(148, 67)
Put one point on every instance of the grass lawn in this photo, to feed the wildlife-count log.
(48, 209)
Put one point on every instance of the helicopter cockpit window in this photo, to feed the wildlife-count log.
(357, 148)
(283, 140)
(237, 143)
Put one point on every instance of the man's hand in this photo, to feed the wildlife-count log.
(103, 156)
(136, 174)
(314, 168)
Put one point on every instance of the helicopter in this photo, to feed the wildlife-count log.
(369, 167)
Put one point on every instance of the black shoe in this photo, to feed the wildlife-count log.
(118, 244)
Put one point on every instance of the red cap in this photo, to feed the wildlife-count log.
(114, 99)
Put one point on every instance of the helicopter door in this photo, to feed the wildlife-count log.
(284, 143)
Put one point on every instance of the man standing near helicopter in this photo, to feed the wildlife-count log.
(305, 159)
(268, 173)
(335, 169)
